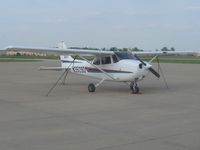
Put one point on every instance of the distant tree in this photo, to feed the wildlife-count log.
(125, 49)
(164, 49)
(113, 49)
(135, 49)
(18, 54)
(172, 49)
(86, 48)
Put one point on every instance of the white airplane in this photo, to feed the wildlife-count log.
(106, 66)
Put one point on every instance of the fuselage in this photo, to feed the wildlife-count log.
(108, 68)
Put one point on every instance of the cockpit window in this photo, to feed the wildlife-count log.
(125, 55)
(105, 59)
(115, 59)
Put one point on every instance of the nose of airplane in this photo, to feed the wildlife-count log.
(148, 66)
(144, 66)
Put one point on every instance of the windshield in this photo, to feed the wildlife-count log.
(125, 55)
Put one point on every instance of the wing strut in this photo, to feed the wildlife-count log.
(161, 71)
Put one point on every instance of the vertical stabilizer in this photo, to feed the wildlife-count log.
(62, 45)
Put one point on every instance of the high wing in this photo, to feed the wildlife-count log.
(66, 51)
(58, 51)
(164, 52)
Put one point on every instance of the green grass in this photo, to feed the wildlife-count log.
(175, 59)
(5, 58)
(18, 60)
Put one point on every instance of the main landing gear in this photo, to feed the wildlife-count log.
(134, 87)
(92, 87)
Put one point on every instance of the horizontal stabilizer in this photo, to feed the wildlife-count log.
(52, 68)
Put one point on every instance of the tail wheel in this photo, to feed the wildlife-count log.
(91, 87)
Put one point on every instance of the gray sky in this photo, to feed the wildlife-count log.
(146, 24)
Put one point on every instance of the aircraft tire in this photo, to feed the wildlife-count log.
(135, 90)
(131, 86)
(91, 87)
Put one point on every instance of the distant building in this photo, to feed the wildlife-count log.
(26, 53)
(39, 53)
(2, 52)
(197, 54)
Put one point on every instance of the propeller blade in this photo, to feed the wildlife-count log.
(140, 60)
(154, 72)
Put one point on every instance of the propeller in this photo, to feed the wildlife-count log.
(150, 68)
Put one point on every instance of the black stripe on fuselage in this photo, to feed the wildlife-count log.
(95, 70)
(67, 61)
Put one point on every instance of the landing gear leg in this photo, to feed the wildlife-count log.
(134, 87)
(66, 72)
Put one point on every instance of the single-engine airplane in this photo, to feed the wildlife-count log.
(106, 66)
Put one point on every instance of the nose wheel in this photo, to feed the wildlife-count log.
(136, 90)
(134, 87)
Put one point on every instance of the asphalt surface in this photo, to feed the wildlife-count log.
(110, 119)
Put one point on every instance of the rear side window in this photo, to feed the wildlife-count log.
(106, 60)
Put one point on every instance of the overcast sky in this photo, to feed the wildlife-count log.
(146, 24)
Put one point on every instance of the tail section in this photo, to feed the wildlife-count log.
(66, 61)
(62, 45)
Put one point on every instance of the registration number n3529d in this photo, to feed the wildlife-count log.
(79, 69)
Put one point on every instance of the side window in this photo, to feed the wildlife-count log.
(106, 60)
(96, 61)
(114, 57)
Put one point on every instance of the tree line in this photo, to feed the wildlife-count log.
(122, 49)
